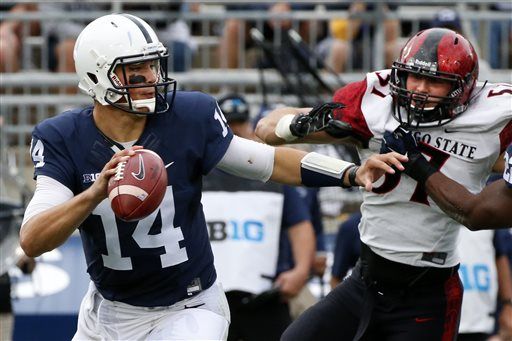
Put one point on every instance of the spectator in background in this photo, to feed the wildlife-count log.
(447, 18)
(26, 265)
(230, 49)
(11, 255)
(11, 38)
(61, 34)
(501, 31)
(346, 44)
(300, 302)
(248, 241)
(347, 249)
(450, 19)
(174, 32)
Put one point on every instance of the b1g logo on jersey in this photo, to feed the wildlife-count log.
(249, 230)
(88, 178)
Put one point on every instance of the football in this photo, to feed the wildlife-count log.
(138, 187)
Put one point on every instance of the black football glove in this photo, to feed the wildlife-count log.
(402, 141)
(320, 118)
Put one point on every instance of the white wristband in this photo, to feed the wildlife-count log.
(283, 128)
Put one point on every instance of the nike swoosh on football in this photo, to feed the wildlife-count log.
(140, 175)
(169, 164)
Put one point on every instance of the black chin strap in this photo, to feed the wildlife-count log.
(478, 93)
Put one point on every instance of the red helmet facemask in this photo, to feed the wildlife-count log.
(440, 54)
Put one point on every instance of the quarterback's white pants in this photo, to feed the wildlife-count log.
(101, 319)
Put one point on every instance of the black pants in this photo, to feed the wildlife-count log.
(474, 337)
(261, 319)
(424, 308)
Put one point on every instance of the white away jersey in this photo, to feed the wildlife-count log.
(400, 222)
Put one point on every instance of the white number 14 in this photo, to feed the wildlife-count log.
(169, 236)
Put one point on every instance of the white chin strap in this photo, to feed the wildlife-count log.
(138, 104)
(145, 103)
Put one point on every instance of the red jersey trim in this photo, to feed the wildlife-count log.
(352, 96)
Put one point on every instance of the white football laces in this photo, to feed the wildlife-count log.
(120, 170)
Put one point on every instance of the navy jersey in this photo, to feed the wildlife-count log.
(293, 202)
(503, 242)
(348, 246)
(310, 197)
(306, 199)
(166, 256)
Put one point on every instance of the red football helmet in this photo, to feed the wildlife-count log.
(441, 54)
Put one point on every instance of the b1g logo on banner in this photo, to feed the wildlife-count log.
(248, 230)
(475, 277)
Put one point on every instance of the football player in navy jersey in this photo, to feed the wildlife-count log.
(405, 285)
(153, 278)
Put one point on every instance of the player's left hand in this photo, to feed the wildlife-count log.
(402, 141)
(376, 166)
(291, 282)
(320, 118)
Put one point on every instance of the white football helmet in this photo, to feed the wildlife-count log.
(118, 40)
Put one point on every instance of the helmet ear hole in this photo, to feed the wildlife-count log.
(92, 77)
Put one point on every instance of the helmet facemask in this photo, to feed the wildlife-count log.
(415, 109)
(124, 76)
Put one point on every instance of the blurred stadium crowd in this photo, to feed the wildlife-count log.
(288, 53)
